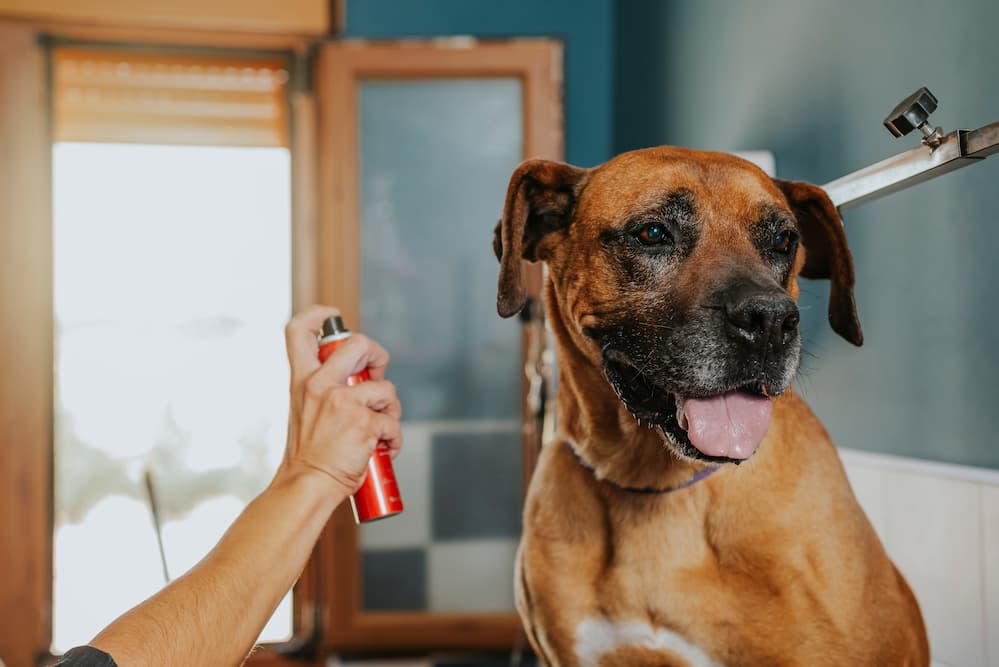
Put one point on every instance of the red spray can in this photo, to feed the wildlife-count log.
(379, 495)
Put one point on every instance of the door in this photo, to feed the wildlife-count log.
(417, 143)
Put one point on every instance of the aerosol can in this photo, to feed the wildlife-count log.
(379, 495)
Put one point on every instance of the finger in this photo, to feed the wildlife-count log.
(387, 430)
(379, 396)
(301, 339)
(352, 356)
(396, 446)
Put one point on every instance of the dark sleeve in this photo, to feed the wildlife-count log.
(85, 656)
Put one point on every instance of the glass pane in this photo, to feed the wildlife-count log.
(436, 156)
(172, 287)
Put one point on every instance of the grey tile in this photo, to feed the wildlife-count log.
(394, 579)
(471, 575)
(476, 483)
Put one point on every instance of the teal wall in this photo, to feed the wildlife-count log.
(584, 26)
(812, 81)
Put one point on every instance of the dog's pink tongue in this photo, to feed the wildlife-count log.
(731, 424)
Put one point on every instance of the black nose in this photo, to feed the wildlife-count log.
(767, 318)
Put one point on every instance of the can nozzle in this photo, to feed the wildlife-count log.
(334, 326)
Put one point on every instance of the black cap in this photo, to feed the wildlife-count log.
(334, 326)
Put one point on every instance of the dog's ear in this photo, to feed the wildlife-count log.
(539, 200)
(827, 254)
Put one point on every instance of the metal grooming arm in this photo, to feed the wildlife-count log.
(940, 154)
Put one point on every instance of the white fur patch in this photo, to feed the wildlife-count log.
(596, 637)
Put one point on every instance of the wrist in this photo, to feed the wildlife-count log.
(315, 484)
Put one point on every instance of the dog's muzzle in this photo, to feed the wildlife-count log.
(712, 395)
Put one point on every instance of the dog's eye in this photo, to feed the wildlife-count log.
(784, 241)
(654, 233)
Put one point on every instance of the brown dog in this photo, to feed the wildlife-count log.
(672, 279)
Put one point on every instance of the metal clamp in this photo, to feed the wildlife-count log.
(948, 152)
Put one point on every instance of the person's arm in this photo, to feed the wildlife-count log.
(213, 614)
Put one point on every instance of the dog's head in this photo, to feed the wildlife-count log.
(676, 272)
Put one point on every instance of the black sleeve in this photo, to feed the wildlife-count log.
(85, 656)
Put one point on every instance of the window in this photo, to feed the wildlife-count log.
(172, 285)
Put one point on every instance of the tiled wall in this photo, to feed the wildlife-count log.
(453, 548)
(940, 524)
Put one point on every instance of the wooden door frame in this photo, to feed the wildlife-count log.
(537, 63)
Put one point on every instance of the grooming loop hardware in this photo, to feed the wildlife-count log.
(940, 154)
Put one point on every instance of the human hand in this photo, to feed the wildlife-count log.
(333, 428)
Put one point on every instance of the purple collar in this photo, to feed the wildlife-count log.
(697, 477)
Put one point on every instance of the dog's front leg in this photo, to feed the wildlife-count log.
(547, 615)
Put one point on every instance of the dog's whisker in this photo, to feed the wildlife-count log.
(665, 327)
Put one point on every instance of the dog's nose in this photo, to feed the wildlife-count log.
(765, 318)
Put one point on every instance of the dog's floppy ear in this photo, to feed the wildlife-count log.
(827, 255)
(539, 200)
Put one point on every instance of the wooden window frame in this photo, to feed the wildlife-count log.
(26, 353)
(341, 66)
(26, 357)
(176, 27)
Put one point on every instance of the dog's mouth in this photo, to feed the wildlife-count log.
(724, 426)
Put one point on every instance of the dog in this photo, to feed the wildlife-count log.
(692, 510)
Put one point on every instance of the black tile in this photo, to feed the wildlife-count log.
(476, 482)
(394, 579)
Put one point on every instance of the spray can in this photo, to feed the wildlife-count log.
(379, 495)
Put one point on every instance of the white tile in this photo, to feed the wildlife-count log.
(765, 160)
(932, 530)
(471, 575)
(990, 526)
(867, 486)
(412, 470)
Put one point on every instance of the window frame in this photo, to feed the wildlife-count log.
(340, 68)
(27, 357)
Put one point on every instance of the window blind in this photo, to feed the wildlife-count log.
(117, 96)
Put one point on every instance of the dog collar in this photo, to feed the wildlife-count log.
(697, 477)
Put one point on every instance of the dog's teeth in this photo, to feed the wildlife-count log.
(681, 416)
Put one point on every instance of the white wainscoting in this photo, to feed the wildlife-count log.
(940, 524)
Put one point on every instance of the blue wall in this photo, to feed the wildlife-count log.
(586, 28)
(812, 81)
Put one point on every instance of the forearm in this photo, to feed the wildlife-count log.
(213, 614)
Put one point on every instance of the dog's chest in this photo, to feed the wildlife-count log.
(670, 596)
(602, 641)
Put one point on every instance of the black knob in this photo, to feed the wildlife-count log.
(912, 112)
